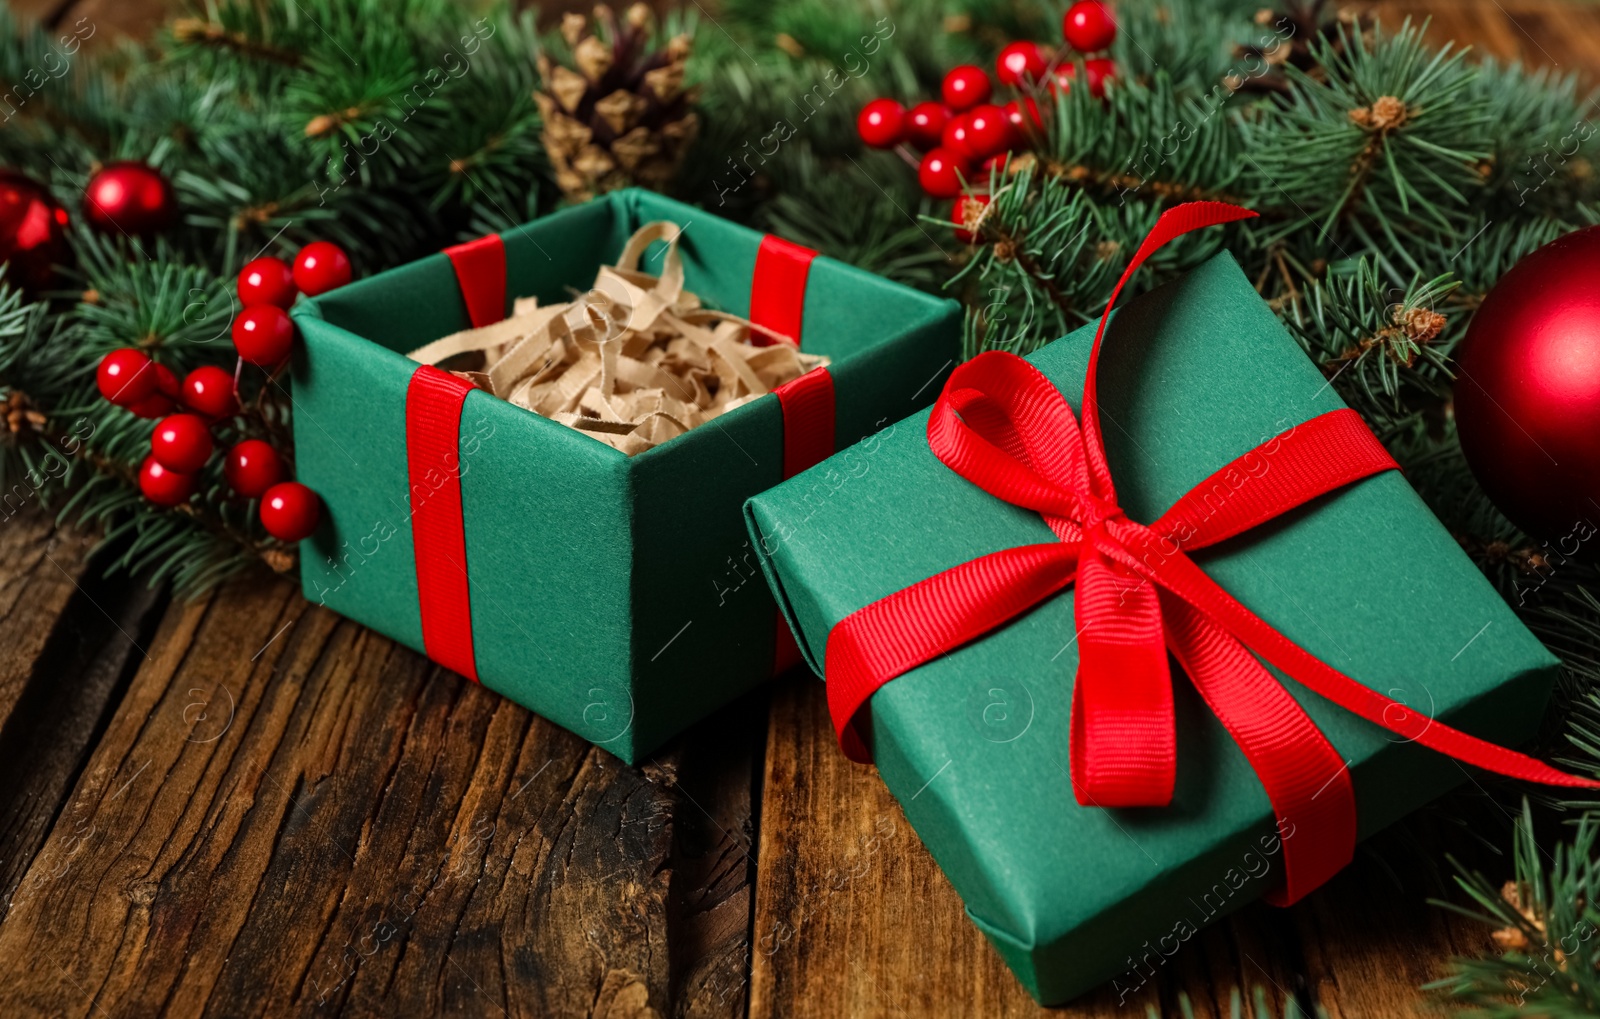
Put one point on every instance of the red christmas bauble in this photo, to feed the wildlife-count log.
(1088, 26)
(320, 267)
(263, 335)
(940, 173)
(1020, 122)
(126, 376)
(33, 231)
(181, 442)
(925, 125)
(129, 198)
(1020, 63)
(289, 511)
(954, 137)
(882, 123)
(967, 209)
(1527, 391)
(988, 132)
(252, 467)
(965, 87)
(162, 486)
(1099, 71)
(208, 390)
(267, 280)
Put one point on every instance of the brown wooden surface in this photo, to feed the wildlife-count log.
(249, 806)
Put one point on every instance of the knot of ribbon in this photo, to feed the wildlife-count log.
(1139, 597)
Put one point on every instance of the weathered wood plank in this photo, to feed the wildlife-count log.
(287, 809)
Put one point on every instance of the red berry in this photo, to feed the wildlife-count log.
(166, 382)
(988, 132)
(1014, 113)
(252, 467)
(965, 213)
(1062, 77)
(1099, 71)
(129, 198)
(181, 443)
(263, 335)
(156, 405)
(1088, 27)
(955, 137)
(940, 173)
(125, 377)
(965, 87)
(320, 267)
(162, 486)
(882, 123)
(267, 280)
(1020, 63)
(209, 390)
(289, 511)
(925, 124)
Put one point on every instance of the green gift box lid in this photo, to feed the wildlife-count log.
(974, 744)
(617, 596)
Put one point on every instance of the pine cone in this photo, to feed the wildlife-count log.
(621, 115)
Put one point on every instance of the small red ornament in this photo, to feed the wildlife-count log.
(156, 405)
(252, 467)
(129, 198)
(965, 213)
(882, 123)
(289, 511)
(955, 138)
(263, 335)
(320, 267)
(940, 173)
(1099, 71)
(1014, 114)
(208, 390)
(1527, 393)
(181, 442)
(1088, 26)
(988, 132)
(267, 280)
(925, 125)
(162, 486)
(126, 376)
(1020, 64)
(33, 231)
(965, 87)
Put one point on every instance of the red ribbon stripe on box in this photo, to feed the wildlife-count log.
(1000, 424)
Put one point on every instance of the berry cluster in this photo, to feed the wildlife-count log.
(182, 442)
(966, 131)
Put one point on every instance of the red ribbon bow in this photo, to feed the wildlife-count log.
(1001, 425)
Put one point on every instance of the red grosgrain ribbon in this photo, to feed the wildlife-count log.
(480, 267)
(433, 461)
(777, 305)
(1001, 425)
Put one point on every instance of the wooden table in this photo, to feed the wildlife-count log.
(248, 805)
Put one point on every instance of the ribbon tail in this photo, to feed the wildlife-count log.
(1124, 742)
(1306, 780)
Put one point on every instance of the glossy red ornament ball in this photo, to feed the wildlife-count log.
(289, 511)
(1021, 122)
(940, 173)
(966, 210)
(955, 139)
(33, 231)
(1527, 392)
(1020, 63)
(263, 335)
(925, 125)
(320, 267)
(965, 87)
(989, 132)
(129, 198)
(267, 280)
(208, 390)
(1088, 26)
(181, 442)
(1099, 71)
(156, 405)
(162, 486)
(126, 376)
(882, 123)
(252, 467)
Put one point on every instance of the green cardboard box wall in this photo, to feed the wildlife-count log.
(974, 744)
(616, 596)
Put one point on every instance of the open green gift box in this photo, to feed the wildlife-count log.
(975, 742)
(611, 594)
